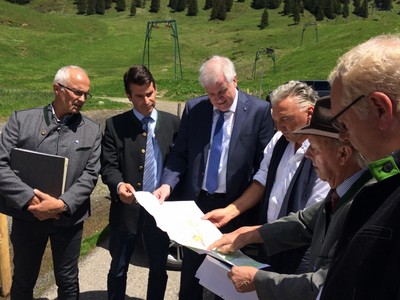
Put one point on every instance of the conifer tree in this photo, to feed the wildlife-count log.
(81, 6)
(264, 19)
(107, 4)
(120, 5)
(273, 4)
(309, 5)
(229, 4)
(154, 6)
(346, 9)
(208, 4)
(287, 7)
(338, 7)
(296, 11)
(319, 15)
(258, 4)
(181, 5)
(329, 9)
(357, 5)
(133, 8)
(364, 9)
(219, 10)
(100, 7)
(386, 5)
(193, 8)
(19, 1)
(91, 7)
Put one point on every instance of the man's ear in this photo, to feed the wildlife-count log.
(56, 89)
(344, 153)
(310, 111)
(382, 107)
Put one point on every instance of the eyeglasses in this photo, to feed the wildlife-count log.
(340, 126)
(77, 93)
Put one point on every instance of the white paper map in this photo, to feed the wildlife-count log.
(212, 275)
(181, 220)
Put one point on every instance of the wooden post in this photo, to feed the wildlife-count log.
(178, 110)
(5, 265)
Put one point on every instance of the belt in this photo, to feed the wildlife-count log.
(204, 193)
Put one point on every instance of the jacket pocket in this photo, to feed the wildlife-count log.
(83, 149)
(378, 232)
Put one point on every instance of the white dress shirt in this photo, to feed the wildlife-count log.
(229, 118)
(285, 172)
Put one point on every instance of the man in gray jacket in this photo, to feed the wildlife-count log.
(57, 129)
(319, 225)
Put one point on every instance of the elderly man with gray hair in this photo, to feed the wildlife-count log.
(365, 101)
(319, 225)
(286, 180)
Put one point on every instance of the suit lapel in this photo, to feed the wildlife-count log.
(240, 119)
(207, 120)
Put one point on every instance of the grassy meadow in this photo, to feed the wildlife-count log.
(36, 39)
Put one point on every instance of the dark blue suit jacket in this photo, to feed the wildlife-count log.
(252, 130)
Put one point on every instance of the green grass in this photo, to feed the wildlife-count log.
(34, 44)
(16, 99)
(94, 240)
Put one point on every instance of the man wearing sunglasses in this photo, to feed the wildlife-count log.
(365, 101)
(57, 129)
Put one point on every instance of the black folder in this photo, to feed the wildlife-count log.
(42, 171)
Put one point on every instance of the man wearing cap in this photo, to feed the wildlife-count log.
(318, 226)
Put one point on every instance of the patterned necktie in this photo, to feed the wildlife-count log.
(335, 199)
(149, 173)
(215, 155)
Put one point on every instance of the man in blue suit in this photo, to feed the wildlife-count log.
(213, 182)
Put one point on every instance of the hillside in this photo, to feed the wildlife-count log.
(35, 42)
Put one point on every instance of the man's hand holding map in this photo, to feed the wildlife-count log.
(182, 221)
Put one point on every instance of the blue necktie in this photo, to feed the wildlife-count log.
(215, 155)
(149, 174)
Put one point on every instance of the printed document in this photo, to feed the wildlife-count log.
(181, 220)
(212, 274)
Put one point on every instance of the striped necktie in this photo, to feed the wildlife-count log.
(149, 174)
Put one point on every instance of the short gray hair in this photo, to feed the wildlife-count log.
(62, 75)
(369, 67)
(211, 70)
(301, 93)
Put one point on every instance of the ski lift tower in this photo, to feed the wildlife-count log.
(177, 54)
(269, 53)
(305, 26)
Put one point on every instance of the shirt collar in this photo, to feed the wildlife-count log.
(153, 115)
(64, 120)
(342, 188)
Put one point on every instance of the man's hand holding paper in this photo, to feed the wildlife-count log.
(183, 221)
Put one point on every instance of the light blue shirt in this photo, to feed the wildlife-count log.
(157, 150)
